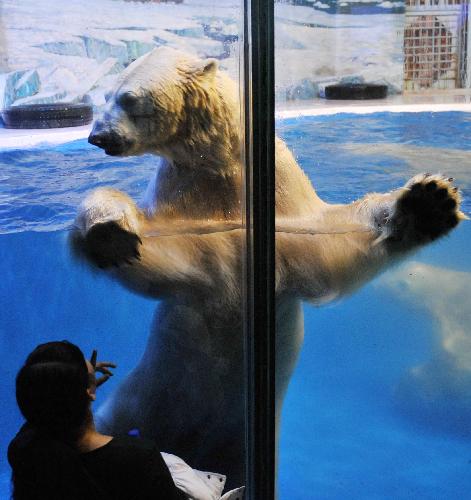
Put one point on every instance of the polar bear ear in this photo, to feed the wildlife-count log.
(207, 68)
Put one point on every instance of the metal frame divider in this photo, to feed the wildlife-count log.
(259, 79)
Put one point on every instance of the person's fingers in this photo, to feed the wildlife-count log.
(106, 364)
(93, 357)
(102, 380)
(102, 369)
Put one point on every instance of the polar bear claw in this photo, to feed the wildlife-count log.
(427, 209)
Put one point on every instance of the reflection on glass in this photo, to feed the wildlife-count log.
(163, 80)
(377, 405)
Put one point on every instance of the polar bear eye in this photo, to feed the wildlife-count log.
(127, 100)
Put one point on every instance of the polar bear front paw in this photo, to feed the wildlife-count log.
(106, 230)
(427, 209)
(107, 244)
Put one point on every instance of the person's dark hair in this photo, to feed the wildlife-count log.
(51, 391)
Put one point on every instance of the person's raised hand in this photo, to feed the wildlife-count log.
(102, 367)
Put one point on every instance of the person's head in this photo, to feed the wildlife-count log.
(54, 389)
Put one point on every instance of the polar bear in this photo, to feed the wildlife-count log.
(185, 247)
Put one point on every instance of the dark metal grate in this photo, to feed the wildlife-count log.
(435, 40)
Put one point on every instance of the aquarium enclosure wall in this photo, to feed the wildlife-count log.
(290, 315)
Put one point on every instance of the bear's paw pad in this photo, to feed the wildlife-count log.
(108, 244)
(429, 206)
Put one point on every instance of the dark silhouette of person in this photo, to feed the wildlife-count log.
(58, 453)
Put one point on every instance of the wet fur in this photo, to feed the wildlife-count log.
(186, 248)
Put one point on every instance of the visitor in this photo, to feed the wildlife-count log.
(58, 453)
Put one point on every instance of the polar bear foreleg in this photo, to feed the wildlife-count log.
(112, 234)
(358, 240)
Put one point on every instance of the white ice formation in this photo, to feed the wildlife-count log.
(55, 51)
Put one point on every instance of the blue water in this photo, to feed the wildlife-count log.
(356, 424)
(345, 431)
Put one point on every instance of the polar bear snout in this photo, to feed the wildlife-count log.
(113, 143)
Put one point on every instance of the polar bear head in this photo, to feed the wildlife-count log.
(164, 102)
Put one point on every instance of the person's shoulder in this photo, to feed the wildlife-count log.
(132, 442)
(132, 446)
(143, 461)
(124, 451)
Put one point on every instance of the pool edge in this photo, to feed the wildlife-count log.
(11, 139)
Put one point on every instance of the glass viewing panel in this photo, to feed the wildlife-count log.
(150, 275)
(374, 325)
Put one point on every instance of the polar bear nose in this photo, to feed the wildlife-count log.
(112, 143)
(96, 139)
(103, 139)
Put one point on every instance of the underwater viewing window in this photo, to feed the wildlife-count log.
(143, 235)
(258, 210)
(373, 100)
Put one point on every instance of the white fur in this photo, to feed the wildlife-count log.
(188, 391)
(105, 205)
